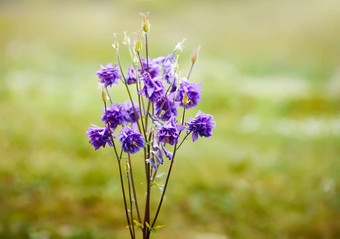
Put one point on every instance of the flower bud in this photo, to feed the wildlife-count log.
(104, 95)
(145, 22)
(115, 45)
(138, 43)
(127, 40)
(194, 55)
(179, 46)
(127, 167)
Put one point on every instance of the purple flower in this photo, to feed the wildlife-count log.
(168, 66)
(109, 75)
(131, 76)
(162, 59)
(156, 155)
(193, 92)
(202, 125)
(98, 136)
(169, 132)
(169, 72)
(158, 149)
(129, 112)
(153, 88)
(131, 141)
(154, 67)
(168, 154)
(115, 115)
(169, 108)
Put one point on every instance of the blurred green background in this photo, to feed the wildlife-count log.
(271, 77)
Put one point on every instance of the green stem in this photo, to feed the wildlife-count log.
(120, 172)
(134, 189)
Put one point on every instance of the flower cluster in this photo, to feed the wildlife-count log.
(166, 92)
(153, 118)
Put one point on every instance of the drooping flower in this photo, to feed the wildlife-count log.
(131, 141)
(167, 107)
(109, 75)
(169, 72)
(202, 125)
(115, 115)
(131, 76)
(98, 136)
(156, 155)
(162, 59)
(193, 91)
(129, 111)
(169, 132)
(168, 66)
(154, 68)
(153, 88)
(168, 154)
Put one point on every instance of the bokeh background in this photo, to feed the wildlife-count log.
(271, 77)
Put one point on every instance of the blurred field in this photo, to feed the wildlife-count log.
(271, 77)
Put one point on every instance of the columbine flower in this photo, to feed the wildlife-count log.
(115, 115)
(169, 72)
(168, 154)
(131, 141)
(98, 136)
(193, 92)
(154, 68)
(129, 112)
(202, 125)
(153, 88)
(169, 132)
(131, 76)
(168, 63)
(109, 75)
(169, 108)
(156, 153)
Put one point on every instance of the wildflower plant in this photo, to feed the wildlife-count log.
(152, 121)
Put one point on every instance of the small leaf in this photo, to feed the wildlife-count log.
(154, 232)
(137, 223)
(148, 225)
(159, 227)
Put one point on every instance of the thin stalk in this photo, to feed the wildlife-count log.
(192, 66)
(167, 178)
(148, 192)
(130, 199)
(120, 171)
(184, 107)
(125, 204)
(140, 102)
(154, 174)
(134, 189)
(147, 52)
(147, 116)
(183, 140)
(160, 111)
(165, 187)
(127, 89)
(108, 93)
(140, 61)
